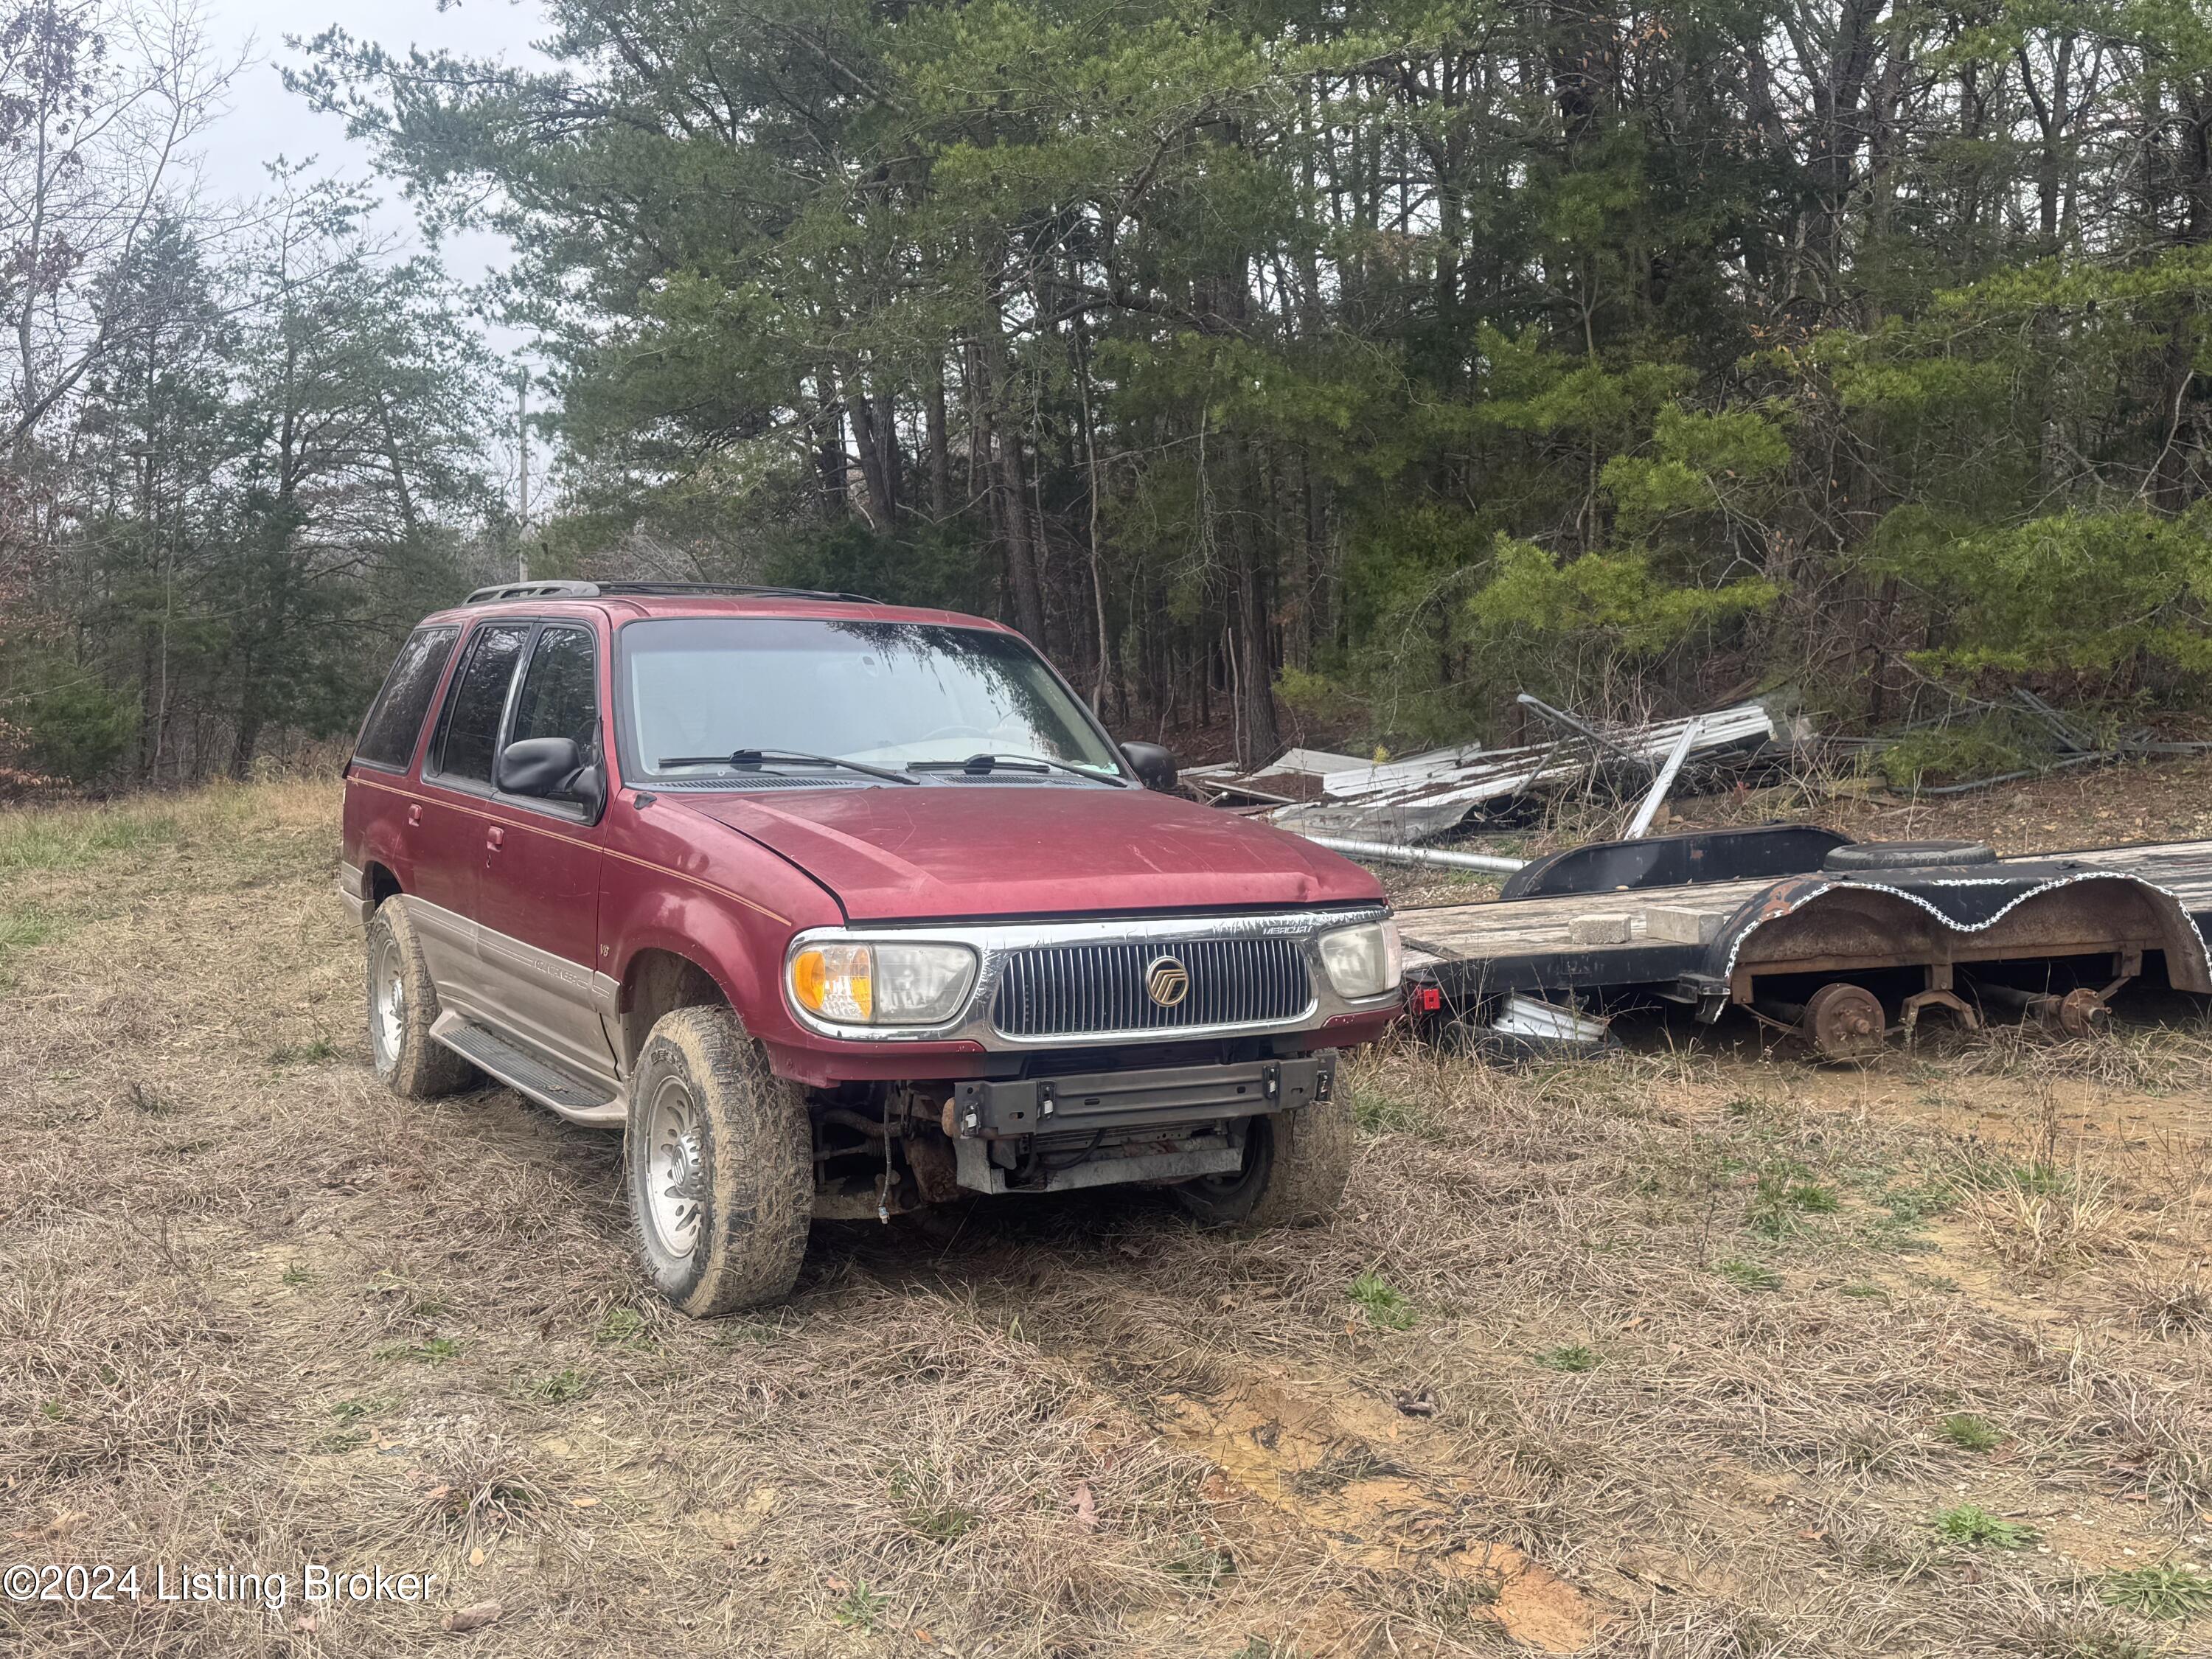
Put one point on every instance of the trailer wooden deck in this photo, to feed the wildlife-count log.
(1518, 930)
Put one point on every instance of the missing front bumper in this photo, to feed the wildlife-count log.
(1177, 1123)
(1167, 1098)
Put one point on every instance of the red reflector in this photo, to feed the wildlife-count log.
(1428, 999)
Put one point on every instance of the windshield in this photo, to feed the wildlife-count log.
(883, 694)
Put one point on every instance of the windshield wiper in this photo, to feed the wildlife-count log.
(751, 760)
(979, 765)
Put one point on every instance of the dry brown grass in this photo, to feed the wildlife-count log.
(2033, 1225)
(1652, 1357)
(2176, 1304)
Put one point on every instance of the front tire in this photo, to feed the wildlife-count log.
(403, 1006)
(1296, 1164)
(719, 1161)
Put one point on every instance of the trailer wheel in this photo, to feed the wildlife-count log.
(1907, 855)
(1295, 1167)
(1844, 1021)
(719, 1162)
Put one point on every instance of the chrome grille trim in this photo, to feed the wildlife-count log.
(1063, 996)
(1092, 990)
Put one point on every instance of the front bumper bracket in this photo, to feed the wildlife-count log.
(1167, 1098)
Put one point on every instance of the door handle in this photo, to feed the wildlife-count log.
(415, 815)
(495, 838)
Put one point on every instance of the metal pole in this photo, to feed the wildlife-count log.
(1560, 717)
(1665, 781)
(1391, 852)
(522, 459)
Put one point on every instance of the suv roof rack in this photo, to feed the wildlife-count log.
(568, 590)
(746, 590)
(532, 591)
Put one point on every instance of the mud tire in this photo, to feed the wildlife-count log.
(753, 1161)
(407, 1062)
(1295, 1167)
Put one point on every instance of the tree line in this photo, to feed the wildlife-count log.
(1304, 365)
(246, 445)
(1373, 362)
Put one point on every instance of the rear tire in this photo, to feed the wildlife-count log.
(1294, 1168)
(719, 1162)
(403, 1006)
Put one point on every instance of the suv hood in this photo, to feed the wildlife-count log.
(941, 851)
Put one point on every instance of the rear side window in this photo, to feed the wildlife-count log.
(479, 700)
(560, 694)
(387, 736)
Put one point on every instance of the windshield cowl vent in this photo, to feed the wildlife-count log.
(730, 783)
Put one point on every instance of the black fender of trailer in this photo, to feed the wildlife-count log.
(2026, 911)
(1689, 859)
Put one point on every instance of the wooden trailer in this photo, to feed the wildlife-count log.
(1852, 944)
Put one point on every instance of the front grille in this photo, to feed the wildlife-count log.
(1078, 990)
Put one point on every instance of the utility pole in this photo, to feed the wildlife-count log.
(522, 465)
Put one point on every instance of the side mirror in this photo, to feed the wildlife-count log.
(549, 769)
(1151, 762)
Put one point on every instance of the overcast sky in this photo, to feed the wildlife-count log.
(265, 121)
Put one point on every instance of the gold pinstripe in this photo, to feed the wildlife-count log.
(575, 841)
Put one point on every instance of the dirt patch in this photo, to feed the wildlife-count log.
(1357, 1477)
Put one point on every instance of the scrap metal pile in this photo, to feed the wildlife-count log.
(1837, 944)
(1405, 802)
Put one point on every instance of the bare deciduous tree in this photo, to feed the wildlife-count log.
(100, 101)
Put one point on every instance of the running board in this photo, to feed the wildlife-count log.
(579, 1098)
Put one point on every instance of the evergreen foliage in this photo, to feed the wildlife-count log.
(1400, 355)
(1367, 364)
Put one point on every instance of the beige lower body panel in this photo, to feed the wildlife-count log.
(545, 1000)
(352, 893)
(525, 996)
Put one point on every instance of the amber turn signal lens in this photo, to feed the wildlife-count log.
(914, 982)
(836, 982)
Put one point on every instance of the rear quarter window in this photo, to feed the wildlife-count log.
(395, 718)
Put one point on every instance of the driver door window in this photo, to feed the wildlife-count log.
(469, 742)
(560, 694)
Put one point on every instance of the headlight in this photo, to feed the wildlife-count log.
(882, 983)
(1363, 961)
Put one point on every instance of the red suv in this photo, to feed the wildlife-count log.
(838, 909)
